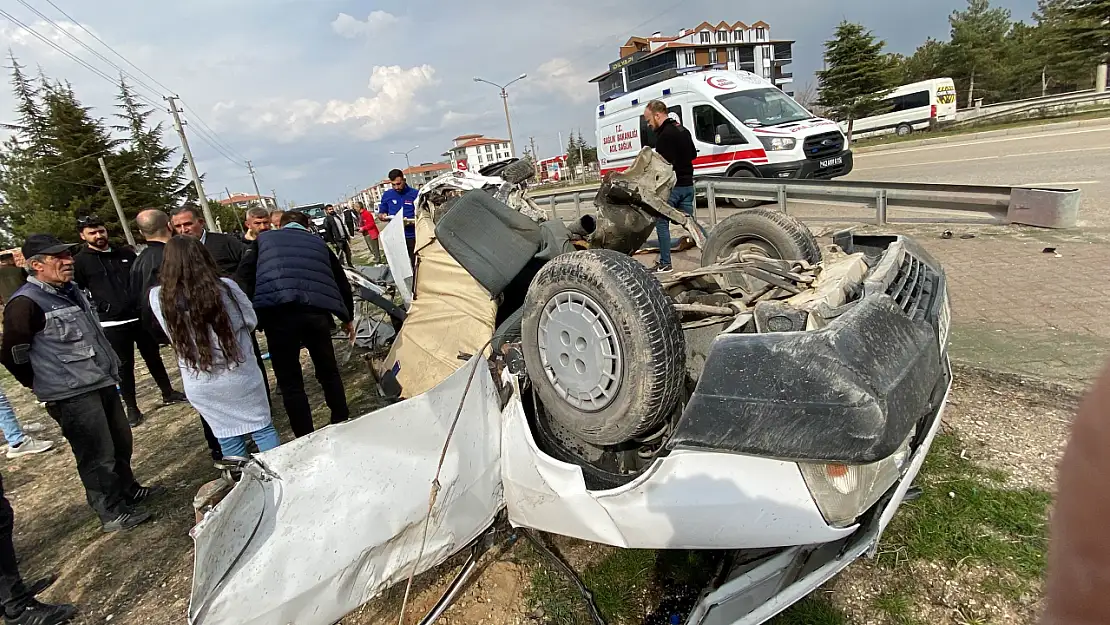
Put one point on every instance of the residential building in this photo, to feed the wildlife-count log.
(419, 175)
(737, 46)
(476, 151)
(242, 201)
(371, 197)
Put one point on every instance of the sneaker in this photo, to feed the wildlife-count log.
(144, 493)
(38, 586)
(662, 268)
(30, 446)
(34, 428)
(174, 397)
(38, 613)
(126, 521)
(134, 416)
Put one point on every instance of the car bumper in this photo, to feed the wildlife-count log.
(809, 168)
(756, 592)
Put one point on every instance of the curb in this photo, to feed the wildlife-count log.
(1005, 132)
(1073, 391)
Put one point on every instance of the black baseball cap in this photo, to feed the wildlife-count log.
(47, 244)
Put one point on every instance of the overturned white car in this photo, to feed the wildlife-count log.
(776, 403)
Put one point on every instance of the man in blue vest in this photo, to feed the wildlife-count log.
(400, 199)
(297, 285)
(54, 345)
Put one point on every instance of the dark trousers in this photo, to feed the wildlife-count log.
(286, 334)
(124, 338)
(96, 427)
(343, 250)
(411, 244)
(14, 596)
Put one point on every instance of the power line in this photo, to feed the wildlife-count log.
(98, 55)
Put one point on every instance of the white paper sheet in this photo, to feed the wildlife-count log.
(397, 255)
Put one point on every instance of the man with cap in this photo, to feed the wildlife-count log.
(54, 345)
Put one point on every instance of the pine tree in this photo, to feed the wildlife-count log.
(975, 52)
(1087, 24)
(151, 179)
(858, 74)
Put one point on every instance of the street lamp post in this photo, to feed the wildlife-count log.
(505, 101)
(406, 155)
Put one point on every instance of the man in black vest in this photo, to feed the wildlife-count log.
(53, 344)
(225, 249)
(297, 285)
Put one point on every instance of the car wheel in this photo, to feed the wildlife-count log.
(904, 130)
(741, 203)
(603, 346)
(518, 171)
(761, 231)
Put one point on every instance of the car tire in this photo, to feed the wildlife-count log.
(904, 130)
(768, 232)
(603, 346)
(738, 203)
(518, 171)
(599, 465)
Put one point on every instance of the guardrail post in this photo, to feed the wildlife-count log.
(711, 200)
(880, 207)
(577, 205)
(782, 197)
(551, 207)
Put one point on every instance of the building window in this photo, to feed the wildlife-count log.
(722, 36)
(713, 56)
(489, 148)
(704, 36)
(738, 35)
(761, 34)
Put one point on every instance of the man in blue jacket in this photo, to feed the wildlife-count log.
(401, 200)
(297, 285)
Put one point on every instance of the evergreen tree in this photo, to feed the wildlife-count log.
(857, 76)
(927, 62)
(152, 181)
(975, 51)
(1087, 25)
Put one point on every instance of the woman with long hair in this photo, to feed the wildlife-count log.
(209, 321)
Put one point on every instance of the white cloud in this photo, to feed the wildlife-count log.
(19, 37)
(351, 27)
(561, 77)
(393, 103)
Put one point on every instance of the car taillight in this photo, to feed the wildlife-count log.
(933, 111)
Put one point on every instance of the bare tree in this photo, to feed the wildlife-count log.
(807, 96)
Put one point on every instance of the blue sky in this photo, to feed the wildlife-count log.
(318, 92)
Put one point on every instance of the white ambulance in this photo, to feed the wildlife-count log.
(742, 126)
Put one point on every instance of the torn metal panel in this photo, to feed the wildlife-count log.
(323, 524)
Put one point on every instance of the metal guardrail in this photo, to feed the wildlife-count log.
(1074, 100)
(1050, 208)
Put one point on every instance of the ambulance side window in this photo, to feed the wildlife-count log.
(711, 127)
(647, 135)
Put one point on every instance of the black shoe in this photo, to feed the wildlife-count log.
(174, 397)
(144, 493)
(134, 416)
(37, 613)
(662, 268)
(40, 585)
(126, 521)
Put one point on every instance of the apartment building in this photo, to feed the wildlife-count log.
(476, 151)
(419, 175)
(242, 201)
(734, 46)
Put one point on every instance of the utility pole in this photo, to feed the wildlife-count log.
(208, 219)
(505, 102)
(255, 180)
(581, 159)
(535, 156)
(273, 192)
(115, 200)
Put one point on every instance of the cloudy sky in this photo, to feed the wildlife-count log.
(318, 92)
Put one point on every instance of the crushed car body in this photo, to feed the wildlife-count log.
(774, 404)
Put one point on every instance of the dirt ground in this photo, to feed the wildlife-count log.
(143, 577)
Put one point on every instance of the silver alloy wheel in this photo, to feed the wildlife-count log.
(580, 351)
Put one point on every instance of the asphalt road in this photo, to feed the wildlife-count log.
(1071, 158)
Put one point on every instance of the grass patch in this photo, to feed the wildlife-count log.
(812, 610)
(897, 604)
(621, 583)
(966, 514)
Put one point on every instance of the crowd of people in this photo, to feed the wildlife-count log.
(76, 312)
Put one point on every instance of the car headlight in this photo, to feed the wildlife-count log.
(843, 492)
(778, 144)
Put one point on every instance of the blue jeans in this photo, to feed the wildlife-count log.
(8, 423)
(682, 198)
(266, 439)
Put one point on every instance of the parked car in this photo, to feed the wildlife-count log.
(774, 405)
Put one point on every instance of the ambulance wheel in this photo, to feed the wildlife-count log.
(742, 203)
